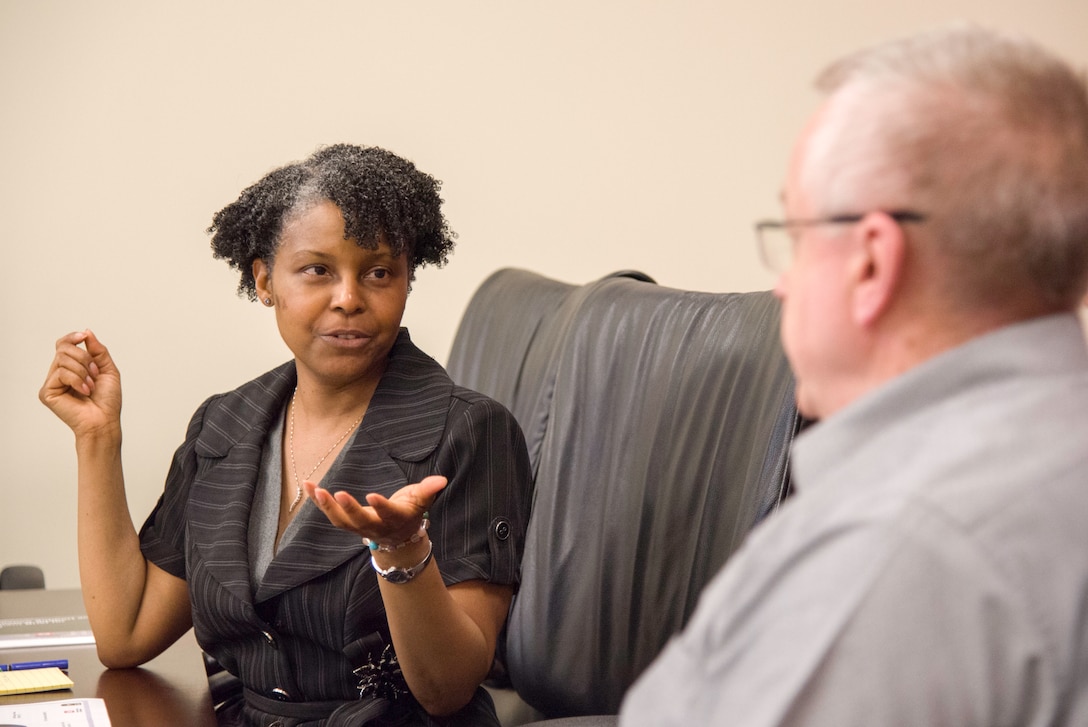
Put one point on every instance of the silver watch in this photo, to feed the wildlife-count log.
(403, 575)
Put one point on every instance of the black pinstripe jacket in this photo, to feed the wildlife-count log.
(318, 615)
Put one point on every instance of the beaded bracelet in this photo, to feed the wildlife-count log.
(384, 548)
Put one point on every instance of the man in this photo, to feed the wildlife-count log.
(932, 568)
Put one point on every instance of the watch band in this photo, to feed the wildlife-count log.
(397, 575)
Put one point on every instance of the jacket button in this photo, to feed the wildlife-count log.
(280, 694)
(269, 638)
(502, 530)
(277, 723)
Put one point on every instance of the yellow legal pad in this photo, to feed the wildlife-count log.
(33, 680)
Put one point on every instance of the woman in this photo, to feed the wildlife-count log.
(343, 532)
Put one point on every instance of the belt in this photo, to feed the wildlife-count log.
(296, 710)
(360, 711)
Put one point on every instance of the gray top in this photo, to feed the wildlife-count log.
(931, 570)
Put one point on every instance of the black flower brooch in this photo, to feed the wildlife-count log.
(382, 679)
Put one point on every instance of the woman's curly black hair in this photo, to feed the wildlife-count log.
(381, 196)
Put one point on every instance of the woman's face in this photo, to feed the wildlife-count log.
(338, 305)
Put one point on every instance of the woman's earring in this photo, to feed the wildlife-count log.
(268, 302)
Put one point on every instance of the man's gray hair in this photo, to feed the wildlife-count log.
(985, 134)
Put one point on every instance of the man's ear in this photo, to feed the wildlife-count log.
(262, 277)
(879, 266)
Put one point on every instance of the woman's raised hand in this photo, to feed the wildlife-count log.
(394, 519)
(83, 386)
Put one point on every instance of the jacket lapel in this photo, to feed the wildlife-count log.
(229, 448)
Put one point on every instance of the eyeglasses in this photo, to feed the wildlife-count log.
(776, 240)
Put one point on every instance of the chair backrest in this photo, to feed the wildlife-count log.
(507, 343)
(666, 439)
(21, 577)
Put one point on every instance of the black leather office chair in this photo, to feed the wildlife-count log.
(21, 577)
(666, 438)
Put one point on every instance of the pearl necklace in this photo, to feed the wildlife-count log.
(291, 446)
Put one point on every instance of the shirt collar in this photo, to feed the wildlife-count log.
(1048, 345)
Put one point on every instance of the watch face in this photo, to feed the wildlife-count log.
(398, 575)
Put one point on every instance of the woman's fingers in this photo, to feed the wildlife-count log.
(411, 500)
(429, 487)
(381, 518)
(100, 355)
(71, 368)
(75, 367)
(82, 386)
(341, 509)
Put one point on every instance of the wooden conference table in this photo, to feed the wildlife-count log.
(171, 690)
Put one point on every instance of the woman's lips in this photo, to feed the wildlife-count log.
(347, 339)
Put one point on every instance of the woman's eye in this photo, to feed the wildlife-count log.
(317, 269)
(379, 273)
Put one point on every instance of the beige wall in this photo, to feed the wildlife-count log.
(574, 138)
